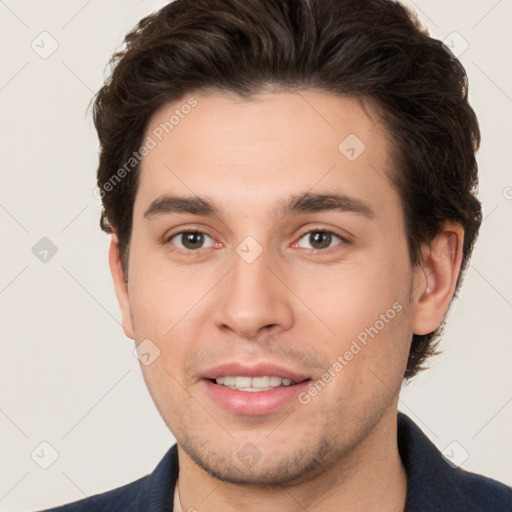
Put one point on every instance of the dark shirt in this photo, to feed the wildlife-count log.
(433, 485)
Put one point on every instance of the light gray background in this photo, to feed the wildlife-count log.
(68, 375)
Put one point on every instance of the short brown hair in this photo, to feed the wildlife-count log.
(370, 49)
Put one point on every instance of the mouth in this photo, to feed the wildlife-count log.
(254, 390)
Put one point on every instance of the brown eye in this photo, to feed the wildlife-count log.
(190, 240)
(320, 239)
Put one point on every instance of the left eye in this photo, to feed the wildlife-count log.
(319, 239)
(191, 240)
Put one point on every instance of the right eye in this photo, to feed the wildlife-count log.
(190, 240)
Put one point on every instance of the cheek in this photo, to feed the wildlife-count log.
(163, 296)
(366, 308)
(351, 297)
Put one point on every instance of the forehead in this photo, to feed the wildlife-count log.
(249, 152)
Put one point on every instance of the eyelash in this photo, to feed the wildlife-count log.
(343, 240)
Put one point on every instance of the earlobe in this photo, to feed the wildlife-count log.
(436, 278)
(120, 286)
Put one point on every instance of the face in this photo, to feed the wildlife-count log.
(269, 281)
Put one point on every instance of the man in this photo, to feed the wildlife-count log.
(290, 191)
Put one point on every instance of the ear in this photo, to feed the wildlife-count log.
(120, 285)
(436, 278)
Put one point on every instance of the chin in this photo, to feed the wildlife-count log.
(249, 466)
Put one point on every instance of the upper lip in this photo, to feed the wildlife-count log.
(235, 369)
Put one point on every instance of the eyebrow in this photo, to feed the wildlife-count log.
(301, 203)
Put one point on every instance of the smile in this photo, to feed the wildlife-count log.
(253, 384)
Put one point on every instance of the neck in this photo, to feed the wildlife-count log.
(371, 478)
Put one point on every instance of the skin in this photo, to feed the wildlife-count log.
(296, 305)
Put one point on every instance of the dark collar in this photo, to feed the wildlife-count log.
(433, 485)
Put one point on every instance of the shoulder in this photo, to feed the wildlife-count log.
(119, 499)
(151, 493)
(482, 492)
(434, 484)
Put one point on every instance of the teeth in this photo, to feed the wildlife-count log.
(259, 382)
(275, 381)
(253, 383)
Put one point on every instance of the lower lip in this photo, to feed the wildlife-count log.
(253, 402)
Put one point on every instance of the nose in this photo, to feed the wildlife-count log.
(253, 300)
